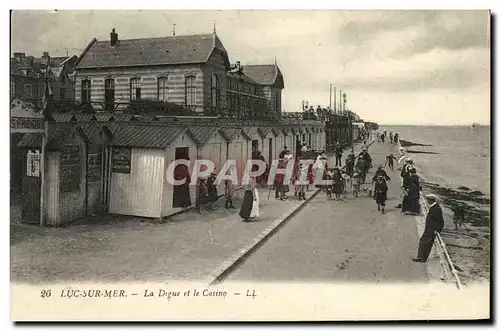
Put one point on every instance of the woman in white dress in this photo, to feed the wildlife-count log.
(250, 207)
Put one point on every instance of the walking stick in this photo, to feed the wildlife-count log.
(269, 194)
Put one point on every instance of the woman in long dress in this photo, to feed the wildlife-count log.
(250, 207)
(380, 192)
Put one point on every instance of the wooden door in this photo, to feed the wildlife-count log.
(31, 186)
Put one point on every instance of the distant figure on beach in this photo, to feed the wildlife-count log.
(382, 137)
(378, 136)
(391, 137)
(389, 160)
(434, 223)
(396, 138)
(380, 193)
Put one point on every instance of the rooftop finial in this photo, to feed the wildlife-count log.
(275, 61)
(173, 30)
(214, 28)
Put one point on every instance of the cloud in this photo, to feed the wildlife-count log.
(448, 30)
(359, 32)
(451, 31)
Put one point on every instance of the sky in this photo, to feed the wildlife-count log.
(396, 67)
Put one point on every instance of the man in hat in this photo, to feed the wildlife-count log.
(434, 223)
(283, 152)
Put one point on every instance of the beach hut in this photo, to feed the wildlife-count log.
(268, 143)
(64, 117)
(256, 141)
(239, 148)
(65, 175)
(98, 136)
(103, 117)
(141, 154)
(212, 145)
(85, 117)
(279, 140)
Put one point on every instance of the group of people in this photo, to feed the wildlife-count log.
(394, 138)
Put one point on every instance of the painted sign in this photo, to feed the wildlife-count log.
(93, 167)
(122, 159)
(70, 168)
(33, 164)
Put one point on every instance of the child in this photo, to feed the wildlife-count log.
(329, 188)
(229, 193)
(202, 195)
(212, 190)
(356, 183)
(337, 183)
(345, 179)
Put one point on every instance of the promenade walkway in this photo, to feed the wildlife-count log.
(348, 240)
(118, 248)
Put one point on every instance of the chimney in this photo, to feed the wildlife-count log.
(30, 61)
(113, 37)
(238, 65)
(46, 58)
(19, 56)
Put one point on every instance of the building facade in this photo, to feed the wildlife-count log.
(193, 71)
(29, 74)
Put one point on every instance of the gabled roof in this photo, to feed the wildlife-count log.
(56, 71)
(264, 74)
(264, 130)
(202, 134)
(92, 130)
(85, 117)
(251, 131)
(232, 133)
(286, 130)
(64, 117)
(146, 136)
(277, 130)
(151, 51)
(57, 131)
(103, 117)
(123, 117)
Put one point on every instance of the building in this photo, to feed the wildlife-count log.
(192, 70)
(29, 74)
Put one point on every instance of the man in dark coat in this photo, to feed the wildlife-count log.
(434, 223)
(338, 155)
(283, 153)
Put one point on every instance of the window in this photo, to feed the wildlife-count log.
(62, 93)
(278, 101)
(109, 94)
(135, 89)
(63, 79)
(12, 89)
(86, 91)
(190, 91)
(215, 91)
(162, 89)
(28, 91)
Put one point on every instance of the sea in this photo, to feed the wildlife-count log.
(462, 154)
